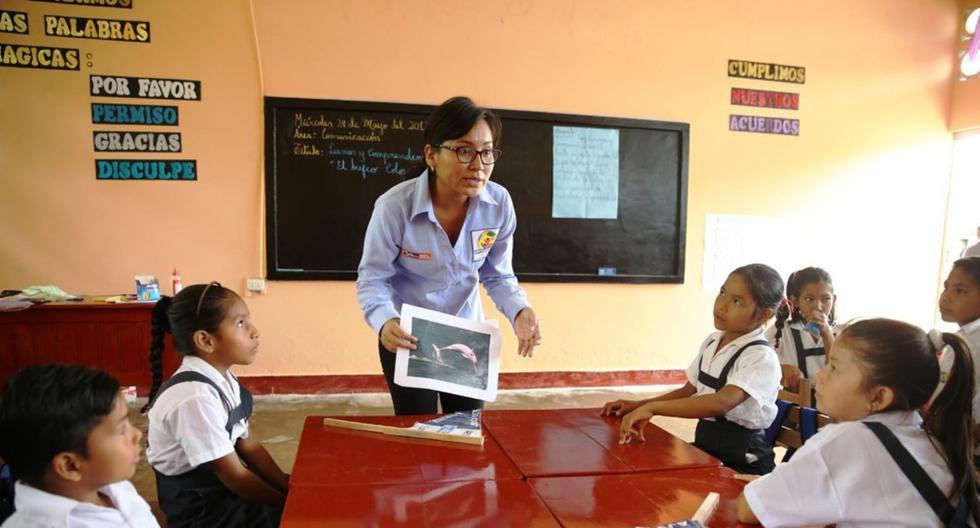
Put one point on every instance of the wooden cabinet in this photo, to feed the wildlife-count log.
(113, 337)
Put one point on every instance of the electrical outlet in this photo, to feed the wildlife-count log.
(255, 285)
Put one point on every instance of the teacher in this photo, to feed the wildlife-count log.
(431, 241)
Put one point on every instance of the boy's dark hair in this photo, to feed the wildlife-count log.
(453, 119)
(794, 287)
(51, 409)
(971, 265)
(196, 307)
(903, 357)
(764, 283)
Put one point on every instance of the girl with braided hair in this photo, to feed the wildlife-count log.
(804, 330)
(209, 470)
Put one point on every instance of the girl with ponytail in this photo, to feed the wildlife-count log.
(209, 470)
(960, 304)
(804, 330)
(881, 464)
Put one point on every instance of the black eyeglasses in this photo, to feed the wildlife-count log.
(468, 154)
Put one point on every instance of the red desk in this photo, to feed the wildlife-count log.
(561, 442)
(329, 455)
(644, 499)
(113, 337)
(481, 503)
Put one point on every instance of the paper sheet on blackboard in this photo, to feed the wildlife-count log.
(585, 172)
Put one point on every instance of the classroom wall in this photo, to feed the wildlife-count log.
(866, 179)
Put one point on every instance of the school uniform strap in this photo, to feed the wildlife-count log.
(919, 478)
(722, 379)
(801, 353)
(236, 414)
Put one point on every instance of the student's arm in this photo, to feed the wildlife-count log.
(242, 482)
(707, 405)
(258, 459)
(621, 407)
(745, 514)
(827, 334)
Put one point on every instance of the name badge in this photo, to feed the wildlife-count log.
(483, 240)
(417, 255)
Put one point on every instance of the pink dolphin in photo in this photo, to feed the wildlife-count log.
(463, 350)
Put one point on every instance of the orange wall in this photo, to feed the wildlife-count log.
(867, 177)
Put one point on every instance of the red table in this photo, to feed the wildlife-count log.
(575, 464)
(581, 442)
(477, 503)
(329, 455)
(639, 499)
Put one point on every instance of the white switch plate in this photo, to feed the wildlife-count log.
(255, 284)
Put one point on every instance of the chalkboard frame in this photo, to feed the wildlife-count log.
(272, 104)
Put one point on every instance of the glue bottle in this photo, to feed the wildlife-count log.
(175, 283)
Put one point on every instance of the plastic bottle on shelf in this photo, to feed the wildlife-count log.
(175, 283)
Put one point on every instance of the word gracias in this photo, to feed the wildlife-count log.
(144, 87)
(107, 141)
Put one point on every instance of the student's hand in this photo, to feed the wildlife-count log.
(392, 336)
(633, 425)
(820, 319)
(619, 407)
(791, 377)
(528, 330)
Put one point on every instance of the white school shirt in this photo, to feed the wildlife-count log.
(787, 347)
(844, 475)
(187, 422)
(39, 509)
(756, 372)
(970, 332)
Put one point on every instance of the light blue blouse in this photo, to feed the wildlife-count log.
(408, 257)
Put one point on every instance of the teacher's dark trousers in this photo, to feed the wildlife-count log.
(408, 400)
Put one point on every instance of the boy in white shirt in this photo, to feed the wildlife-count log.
(65, 432)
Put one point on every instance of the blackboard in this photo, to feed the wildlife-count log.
(327, 162)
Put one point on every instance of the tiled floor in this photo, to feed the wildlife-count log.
(278, 420)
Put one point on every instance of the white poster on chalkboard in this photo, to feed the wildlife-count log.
(452, 354)
(585, 172)
(731, 241)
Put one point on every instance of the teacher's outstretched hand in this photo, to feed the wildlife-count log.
(528, 329)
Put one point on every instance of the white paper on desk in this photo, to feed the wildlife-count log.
(452, 354)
